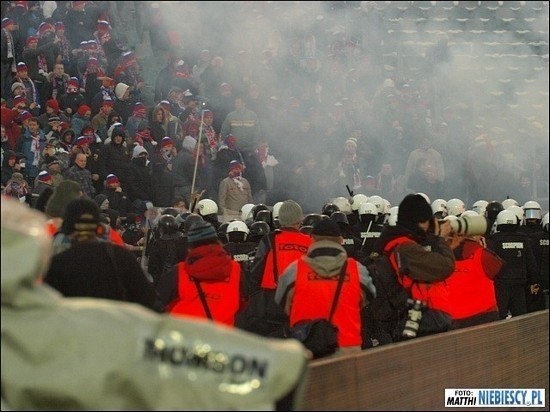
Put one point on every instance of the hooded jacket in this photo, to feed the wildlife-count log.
(118, 355)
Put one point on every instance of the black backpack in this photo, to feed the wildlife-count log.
(389, 309)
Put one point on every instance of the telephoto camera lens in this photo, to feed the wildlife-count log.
(413, 318)
(469, 225)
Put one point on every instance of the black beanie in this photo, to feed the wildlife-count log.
(326, 227)
(81, 215)
(413, 209)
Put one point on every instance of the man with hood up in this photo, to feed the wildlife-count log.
(167, 361)
(306, 288)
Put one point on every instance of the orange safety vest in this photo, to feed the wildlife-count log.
(222, 297)
(471, 292)
(288, 246)
(313, 297)
(434, 294)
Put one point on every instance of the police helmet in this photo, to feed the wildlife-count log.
(311, 219)
(357, 200)
(329, 208)
(257, 208)
(258, 230)
(493, 209)
(192, 220)
(340, 218)
(506, 217)
(264, 216)
(439, 206)
(480, 206)
(425, 196)
(506, 203)
(343, 204)
(377, 201)
(368, 208)
(306, 230)
(518, 211)
(532, 210)
(387, 206)
(222, 230)
(167, 225)
(455, 207)
(237, 231)
(246, 211)
(171, 211)
(545, 221)
(207, 207)
(276, 208)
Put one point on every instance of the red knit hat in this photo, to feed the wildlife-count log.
(165, 142)
(31, 39)
(111, 179)
(17, 100)
(108, 103)
(7, 22)
(59, 25)
(45, 177)
(91, 45)
(73, 81)
(25, 115)
(129, 58)
(22, 67)
(83, 109)
(44, 28)
(139, 110)
(103, 26)
(208, 113)
(54, 104)
(88, 131)
(92, 63)
(81, 141)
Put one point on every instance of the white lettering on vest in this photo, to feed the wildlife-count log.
(512, 245)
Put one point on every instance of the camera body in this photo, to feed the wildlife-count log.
(414, 317)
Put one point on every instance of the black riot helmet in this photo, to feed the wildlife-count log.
(256, 209)
(258, 230)
(329, 209)
(311, 219)
(340, 218)
(192, 220)
(263, 216)
(167, 225)
(222, 230)
(171, 211)
(306, 230)
(493, 209)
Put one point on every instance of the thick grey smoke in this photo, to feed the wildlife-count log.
(486, 91)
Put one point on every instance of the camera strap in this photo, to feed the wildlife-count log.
(203, 299)
(341, 277)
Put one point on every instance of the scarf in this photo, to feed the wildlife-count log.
(35, 149)
(208, 263)
(42, 63)
(29, 87)
(11, 49)
(210, 134)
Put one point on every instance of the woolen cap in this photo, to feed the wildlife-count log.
(290, 213)
(66, 191)
(201, 232)
(326, 227)
(414, 209)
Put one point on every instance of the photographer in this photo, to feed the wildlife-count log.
(421, 259)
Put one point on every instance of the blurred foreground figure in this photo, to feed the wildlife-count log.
(122, 355)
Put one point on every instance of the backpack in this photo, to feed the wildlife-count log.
(389, 309)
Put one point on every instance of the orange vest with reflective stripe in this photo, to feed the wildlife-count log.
(471, 292)
(222, 297)
(435, 294)
(289, 246)
(313, 297)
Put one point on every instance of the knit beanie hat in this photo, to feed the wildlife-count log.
(22, 67)
(83, 109)
(54, 104)
(19, 99)
(165, 142)
(200, 232)
(413, 209)
(188, 143)
(66, 191)
(290, 213)
(16, 85)
(120, 89)
(25, 115)
(81, 215)
(99, 199)
(111, 179)
(45, 177)
(326, 227)
(73, 82)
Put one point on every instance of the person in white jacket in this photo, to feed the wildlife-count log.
(94, 354)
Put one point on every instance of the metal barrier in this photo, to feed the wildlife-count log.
(413, 375)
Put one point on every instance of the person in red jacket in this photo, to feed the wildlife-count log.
(471, 290)
(307, 287)
(208, 284)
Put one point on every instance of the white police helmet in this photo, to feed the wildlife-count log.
(506, 203)
(237, 226)
(544, 222)
(532, 210)
(480, 206)
(392, 218)
(387, 206)
(207, 207)
(368, 208)
(246, 211)
(506, 217)
(378, 202)
(439, 205)
(275, 212)
(425, 196)
(518, 212)
(455, 207)
(343, 204)
(358, 199)
(469, 213)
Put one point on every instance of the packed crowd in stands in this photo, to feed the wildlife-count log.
(263, 187)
